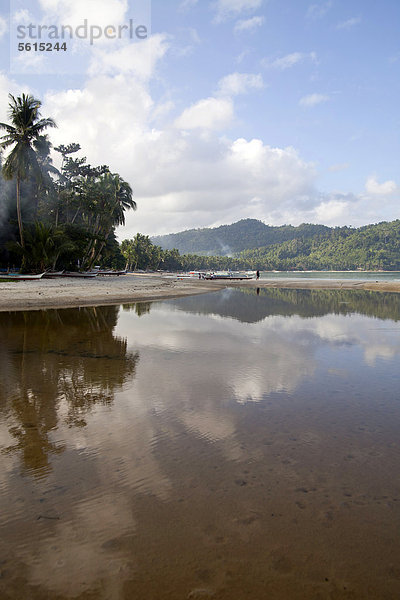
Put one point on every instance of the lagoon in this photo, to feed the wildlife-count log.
(336, 275)
(237, 444)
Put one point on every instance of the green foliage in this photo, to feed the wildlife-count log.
(65, 217)
(372, 247)
(229, 239)
(140, 253)
(21, 136)
(43, 246)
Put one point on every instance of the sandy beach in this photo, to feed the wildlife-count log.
(64, 292)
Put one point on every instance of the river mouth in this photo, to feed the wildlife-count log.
(240, 444)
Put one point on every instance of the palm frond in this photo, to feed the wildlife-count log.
(8, 128)
(41, 125)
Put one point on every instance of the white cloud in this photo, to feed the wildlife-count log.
(97, 14)
(378, 203)
(319, 10)
(188, 4)
(239, 83)
(248, 25)
(136, 59)
(339, 167)
(74, 12)
(22, 16)
(7, 86)
(332, 211)
(188, 40)
(182, 171)
(208, 181)
(313, 100)
(349, 24)
(3, 26)
(380, 189)
(289, 60)
(226, 9)
(209, 113)
(28, 62)
(242, 56)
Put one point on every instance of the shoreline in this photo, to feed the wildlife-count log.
(73, 293)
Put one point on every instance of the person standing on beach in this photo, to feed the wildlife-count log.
(258, 274)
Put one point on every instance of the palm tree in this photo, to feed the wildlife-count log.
(45, 184)
(26, 127)
(43, 246)
(107, 200)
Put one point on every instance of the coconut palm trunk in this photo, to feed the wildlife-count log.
(19, 215)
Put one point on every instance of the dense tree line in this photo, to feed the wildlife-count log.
(141, 254)
(250, 244)
(373, 247)
(55, 218)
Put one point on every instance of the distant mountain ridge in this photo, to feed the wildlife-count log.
(251, 244)
(226, 240)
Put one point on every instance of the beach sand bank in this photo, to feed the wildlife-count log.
(64, 292)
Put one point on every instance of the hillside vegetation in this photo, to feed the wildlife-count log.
(313, 247)
(370, 247)
(229, 239)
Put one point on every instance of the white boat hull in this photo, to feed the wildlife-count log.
(21, 277)
(76, 274)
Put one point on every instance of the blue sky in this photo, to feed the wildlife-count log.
(282, 111)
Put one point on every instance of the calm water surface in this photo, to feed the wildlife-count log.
(232, 445)
(356, 275)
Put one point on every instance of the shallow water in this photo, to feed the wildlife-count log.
(352, 275)
(231, 445)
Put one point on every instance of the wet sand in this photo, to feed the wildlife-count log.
(65, 292)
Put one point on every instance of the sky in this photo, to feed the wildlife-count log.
(218, 110)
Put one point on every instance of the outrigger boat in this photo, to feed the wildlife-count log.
(230, 275)
(78, 274)
(192, 275)
(236, 275)
(20, 276)
(108, 272)
(51, 274)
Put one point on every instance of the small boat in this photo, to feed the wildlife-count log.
(108, 272)
(51, 274)
(191, 275)
(20, 276)
(79, 274)
(230, 275)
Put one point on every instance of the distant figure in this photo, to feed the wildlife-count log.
(258, 274)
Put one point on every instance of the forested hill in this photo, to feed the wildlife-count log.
(370, 247)
(229, 239)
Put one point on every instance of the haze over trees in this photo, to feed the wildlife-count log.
(307, 247)
(226, 240)
(54, 218)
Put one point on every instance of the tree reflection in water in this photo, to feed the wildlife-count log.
(57, 364)
(253, 305)
(140, 308)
